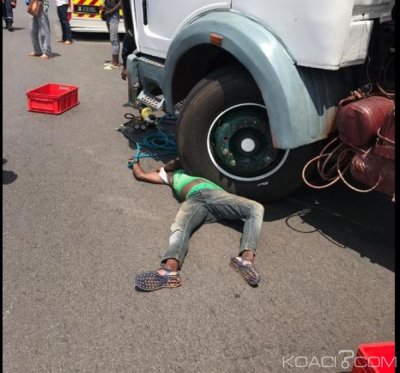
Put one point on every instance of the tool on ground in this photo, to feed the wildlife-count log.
(147, 115)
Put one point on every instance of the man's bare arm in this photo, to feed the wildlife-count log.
(112, 10)
(149, 177)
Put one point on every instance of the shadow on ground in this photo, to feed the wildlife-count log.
(363, 222)
(8, 176)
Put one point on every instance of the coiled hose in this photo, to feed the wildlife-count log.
(160, 140)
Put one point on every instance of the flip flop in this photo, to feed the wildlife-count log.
(152, 280)
(110, 67)
(246, 269)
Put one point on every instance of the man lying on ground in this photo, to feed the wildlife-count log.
(203, 202)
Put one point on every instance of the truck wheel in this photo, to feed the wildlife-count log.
(223, 135)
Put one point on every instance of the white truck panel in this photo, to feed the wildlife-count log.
(319, 33)
(326, 34)
(356, 46)
(165, 18)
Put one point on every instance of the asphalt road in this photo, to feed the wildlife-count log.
(77, 228)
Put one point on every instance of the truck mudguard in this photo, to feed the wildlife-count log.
(301, 102)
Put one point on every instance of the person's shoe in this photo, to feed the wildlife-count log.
(9, 25)
(68, 42)
(33, 54)
(246, 269)
(153, 280)
(44, 56)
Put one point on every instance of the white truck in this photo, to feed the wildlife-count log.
(256, 82)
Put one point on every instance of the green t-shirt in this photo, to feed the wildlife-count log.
(180, 180)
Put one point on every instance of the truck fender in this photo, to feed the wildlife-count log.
(300, 101)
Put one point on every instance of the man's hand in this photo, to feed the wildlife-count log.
(131, 162)
(149, 177)
(124, 73)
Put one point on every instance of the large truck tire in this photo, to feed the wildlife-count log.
(223, 135)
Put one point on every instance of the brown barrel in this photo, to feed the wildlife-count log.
(358, 122)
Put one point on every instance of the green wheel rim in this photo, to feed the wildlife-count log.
(240, 145)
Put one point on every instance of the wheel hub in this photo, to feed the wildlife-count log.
(240, 144)
(248, 145)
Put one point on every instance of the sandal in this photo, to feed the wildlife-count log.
(110, 67)
(152, 280)
(246, 269)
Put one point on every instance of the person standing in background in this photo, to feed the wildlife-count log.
(40, 26)
(62, 12)
(128, 43)
(110, 14)
(128, 47)
(8, 17)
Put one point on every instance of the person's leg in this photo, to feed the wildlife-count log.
(114, 38)
(232, 207)
(62, 12)
(34, 28)
(60, 17)
(68, 32)
(224, 205)
(45, 28)
(8, 14)
(108, 28)
(4, 13)
(190, 216)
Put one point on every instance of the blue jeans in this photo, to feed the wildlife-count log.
(7, 11)
(209, 206)
(63, 17)
(40, 25)
(112, 26)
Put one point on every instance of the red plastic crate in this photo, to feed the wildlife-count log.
(375, 358)
(52, 98)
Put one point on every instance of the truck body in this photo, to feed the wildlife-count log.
(255, 84)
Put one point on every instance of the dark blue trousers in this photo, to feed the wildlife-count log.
(65, 27)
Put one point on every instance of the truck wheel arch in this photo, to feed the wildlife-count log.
(300, 106)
